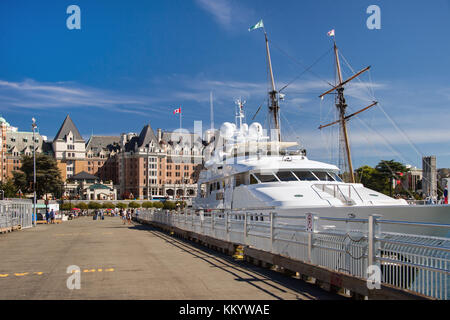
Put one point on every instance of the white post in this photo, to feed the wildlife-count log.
(272, 225)
(227, 226)
(373, 232)
(245, 228)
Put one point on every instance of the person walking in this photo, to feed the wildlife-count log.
(52, 216)
(47, 216)
(129, 216)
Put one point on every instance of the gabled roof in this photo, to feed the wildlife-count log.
(66, 127)
(99, 143)
(146, 136)
(83, 175)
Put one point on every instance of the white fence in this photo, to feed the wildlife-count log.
(408, 261)
(16, 212)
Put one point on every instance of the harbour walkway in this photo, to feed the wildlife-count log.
(135, 261)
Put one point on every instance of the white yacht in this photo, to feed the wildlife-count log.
(252, 169)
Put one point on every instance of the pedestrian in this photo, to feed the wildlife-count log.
(123, 216)
(52, 216)
(47, 216)
(129, 216)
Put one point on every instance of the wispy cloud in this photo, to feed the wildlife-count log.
(229, 14)
(220, 9)
(30, 94)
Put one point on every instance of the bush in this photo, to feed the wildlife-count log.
(66, 206)
(133, 204)
(147, 204)
(122, 205)
(94, 205)
(158, 205)
(169, 205)
(108, 205)
(82, 205)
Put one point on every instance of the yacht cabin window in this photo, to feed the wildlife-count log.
(266, 177)
(323, 176)
(305, 175)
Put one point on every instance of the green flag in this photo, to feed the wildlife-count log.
(260, 24)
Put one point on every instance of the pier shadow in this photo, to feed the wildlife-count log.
(252, 274)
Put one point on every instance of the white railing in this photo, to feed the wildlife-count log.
(16, 212)
(408, 261)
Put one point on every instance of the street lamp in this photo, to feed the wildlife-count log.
(33, 127)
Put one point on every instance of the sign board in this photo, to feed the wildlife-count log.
(309, 222)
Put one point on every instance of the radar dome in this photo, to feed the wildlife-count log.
(255, 130)
(227, 130)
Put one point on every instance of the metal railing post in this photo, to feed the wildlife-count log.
(312, 228)
(373, 232)
(272, 225)
(227, 226)
(245, 228)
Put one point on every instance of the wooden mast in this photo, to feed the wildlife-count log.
(273, 103)
(341, 105)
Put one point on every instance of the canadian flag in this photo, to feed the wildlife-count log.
(177, 110)
(331, 33)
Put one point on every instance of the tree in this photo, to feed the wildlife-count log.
(9, 189)
(48, 176)
(158, 205)
(380, 177)
(108, 205)
(134, 204)
(67, 206)
(388, 170)
(82, 206)
(94, 205)
(121, 205)
(169, 205)
(147, 204)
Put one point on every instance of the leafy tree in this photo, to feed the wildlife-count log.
(9, 189)
(108, 205)
(158, 205)
(48, 176)
(67, 206)
(134, 204)
(380, 177)
(169, 205)
(94, 205)
(122, 205)
(82, 206)
(147, 204)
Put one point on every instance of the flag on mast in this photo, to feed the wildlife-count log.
(331, 33)
(177, 110)
(260, 24)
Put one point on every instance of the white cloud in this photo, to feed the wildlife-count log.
(220, 9)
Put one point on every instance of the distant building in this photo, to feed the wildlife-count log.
(429, 179)
(413, 179)
(15, 144)
(69, 149)
(85, 186)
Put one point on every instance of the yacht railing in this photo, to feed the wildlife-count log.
(407, 261)
(339, 191)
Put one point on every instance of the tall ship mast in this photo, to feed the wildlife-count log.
(341, 105)
(249, 170)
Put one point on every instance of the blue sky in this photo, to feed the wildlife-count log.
(133, 62)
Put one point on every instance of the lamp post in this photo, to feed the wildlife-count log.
(33, 127)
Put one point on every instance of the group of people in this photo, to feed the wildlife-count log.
(50, 216)
(125, 215)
